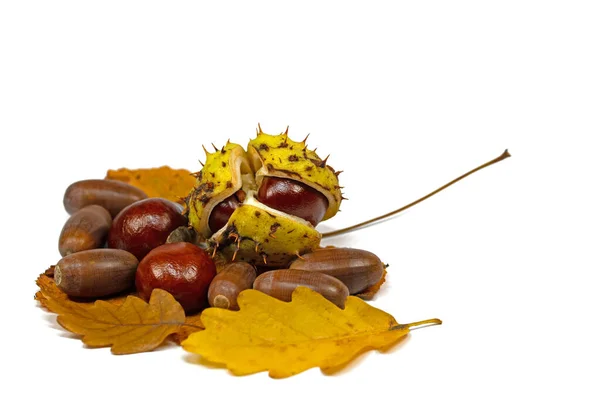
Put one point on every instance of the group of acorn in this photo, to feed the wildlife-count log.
(117, 238)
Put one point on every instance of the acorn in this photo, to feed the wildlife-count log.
(86, 229)
(96, 273)
(229, 282)
(281, 284)
(358, 269)
(112, 195)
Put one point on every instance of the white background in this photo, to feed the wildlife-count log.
(405, 96)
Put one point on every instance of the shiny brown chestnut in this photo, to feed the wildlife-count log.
(293, 197)
(144, 225)
(281, 284)
(182, 269)
(110, 194)
(358, 269)
(229, 282)
(86, 229)
(221, 213)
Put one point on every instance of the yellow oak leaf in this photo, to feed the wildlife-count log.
(131, 327)
(286, 338)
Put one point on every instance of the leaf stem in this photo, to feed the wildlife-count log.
(504, 155)
(426, 322)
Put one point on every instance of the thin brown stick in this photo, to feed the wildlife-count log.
(504, 155)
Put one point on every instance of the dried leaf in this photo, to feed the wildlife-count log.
(56, 301)
(192, 324)
(50, 271)
(49, 290)
(133, 327)
(165, 182)
(288, 338)
(370, 292)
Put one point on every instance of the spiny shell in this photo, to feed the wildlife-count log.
(256, 233)
(221, 176)
(280, 156)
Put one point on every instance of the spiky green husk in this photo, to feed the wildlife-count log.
(220, 178)
(259, 235)
(278, 155)
(256, 233)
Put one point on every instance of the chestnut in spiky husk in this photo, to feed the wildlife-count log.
(294, 198)
(262, 205)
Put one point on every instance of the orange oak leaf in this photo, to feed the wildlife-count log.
(165, 182)
(286, 338)
(193, 323)
(370, 292)
(49, 291)
(82, 317)
(133, 327)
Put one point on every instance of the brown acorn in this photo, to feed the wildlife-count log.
(112, 195)
(96, 273)
(227, 285)
(282, 282)
(86, 229)
(358, 269)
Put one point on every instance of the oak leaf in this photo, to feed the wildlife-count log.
(165, 182)
(192, 324)
(370, 292)
(49, 291)
(133, 327)
(287, 338)
(56, 301)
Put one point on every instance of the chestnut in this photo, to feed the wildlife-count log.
(144, 225)
(293, 197)
(182, 269)
(221, 213)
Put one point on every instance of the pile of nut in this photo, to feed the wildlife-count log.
(117, 238)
